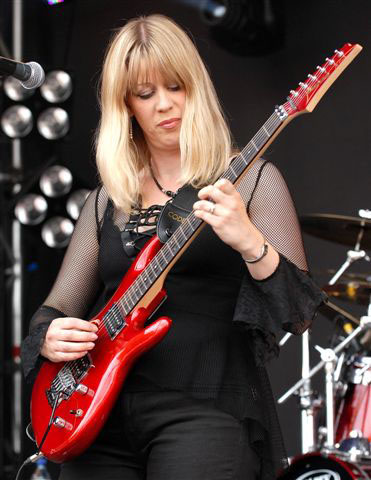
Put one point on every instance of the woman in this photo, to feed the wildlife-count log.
(198, 404)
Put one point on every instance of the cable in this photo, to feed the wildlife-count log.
(33, 458)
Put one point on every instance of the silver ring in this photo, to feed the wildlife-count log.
(212, 208)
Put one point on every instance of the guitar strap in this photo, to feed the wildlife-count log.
(175, 212)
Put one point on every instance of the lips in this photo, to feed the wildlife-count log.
(169, 122)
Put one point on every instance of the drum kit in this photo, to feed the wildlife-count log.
(338, 448)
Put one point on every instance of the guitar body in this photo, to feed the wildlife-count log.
(93, 385)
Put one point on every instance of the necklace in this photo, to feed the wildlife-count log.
(169, 193)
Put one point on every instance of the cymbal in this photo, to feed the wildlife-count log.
(358, 292)
(338, 228)
(331, 311)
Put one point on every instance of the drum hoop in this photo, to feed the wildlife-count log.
(344, 464)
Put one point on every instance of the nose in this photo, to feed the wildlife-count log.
(165, 101)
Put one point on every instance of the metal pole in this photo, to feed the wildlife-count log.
(306, 401)
(17, 254)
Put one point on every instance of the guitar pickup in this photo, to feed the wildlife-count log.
(114, 321)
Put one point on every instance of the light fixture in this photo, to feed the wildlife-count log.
(56, 181)
(15, 90)
(245, 27)
(57, 86)
(53, 123)
(57, 231)
(76, 201)
(17, 121)
(213, 11)
(31, 209)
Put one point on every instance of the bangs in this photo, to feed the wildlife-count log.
(147, 64)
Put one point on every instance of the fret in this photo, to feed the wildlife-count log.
(266, 131)
(253, 144)
(181, 231)
(174, 238)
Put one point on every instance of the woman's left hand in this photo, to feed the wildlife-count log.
(221, 206)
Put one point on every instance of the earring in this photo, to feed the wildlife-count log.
(130, 130)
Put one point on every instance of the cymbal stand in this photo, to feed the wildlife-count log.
(328, 358)
(308, 402)
(357, 253)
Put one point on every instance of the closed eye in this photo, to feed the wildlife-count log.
(144, 95)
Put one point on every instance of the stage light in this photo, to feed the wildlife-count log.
(53, 123)
(57, 231)
(75, 202)
(31, 209)
(245, 27)
(17, 121)
(57, 86)
(15, 91)
(56, 181)
(213, 11)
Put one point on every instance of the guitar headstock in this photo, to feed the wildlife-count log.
(309, 93)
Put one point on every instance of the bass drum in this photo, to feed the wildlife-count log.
(314, 466)
(354, 412)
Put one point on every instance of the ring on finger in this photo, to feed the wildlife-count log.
(212, 208)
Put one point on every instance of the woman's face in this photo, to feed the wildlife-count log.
(158, 107)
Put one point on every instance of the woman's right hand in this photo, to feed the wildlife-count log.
(68, 339)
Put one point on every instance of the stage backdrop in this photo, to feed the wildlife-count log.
(325, 156)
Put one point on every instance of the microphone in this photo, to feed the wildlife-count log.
(30, 74)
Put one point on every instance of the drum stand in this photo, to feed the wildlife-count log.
(309, 402)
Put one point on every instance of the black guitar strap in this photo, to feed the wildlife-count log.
(175, 212)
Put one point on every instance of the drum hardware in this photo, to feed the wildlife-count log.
(356, 445)
(328, 357)
(349, 231)
(354, 291)
(365, 213)
(335, 461)
(325, 466)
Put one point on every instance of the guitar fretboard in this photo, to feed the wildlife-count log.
(191, 224)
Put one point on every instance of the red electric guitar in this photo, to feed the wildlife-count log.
(72, 400)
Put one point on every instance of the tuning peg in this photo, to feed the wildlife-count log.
(321, 69)
(339, 53)
(303, 85)
(330, 61)
(294, 93)
(312, 77)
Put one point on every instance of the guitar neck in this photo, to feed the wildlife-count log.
(191, 226)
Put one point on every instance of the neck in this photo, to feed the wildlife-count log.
(166, 168)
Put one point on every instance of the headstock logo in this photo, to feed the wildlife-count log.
(320, 474)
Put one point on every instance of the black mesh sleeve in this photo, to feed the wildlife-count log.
(76, 285)
(288, 299)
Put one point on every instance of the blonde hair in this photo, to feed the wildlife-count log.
(143, 45)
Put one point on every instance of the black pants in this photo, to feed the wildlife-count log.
(167, 436)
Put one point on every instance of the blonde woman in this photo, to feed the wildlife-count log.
(198, 405)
